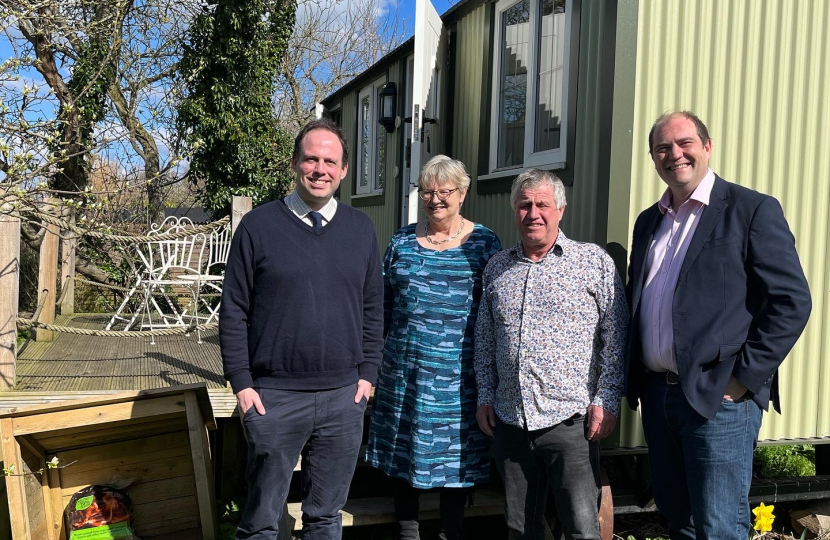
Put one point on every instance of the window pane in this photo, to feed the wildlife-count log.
(515, 35)
(550, 80)
(365, 142)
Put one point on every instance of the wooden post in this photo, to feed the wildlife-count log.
(239, 207)
(9, 295)
(15, 486)
(202, 467)
(56, 518)
(47, 278)
(68, 245)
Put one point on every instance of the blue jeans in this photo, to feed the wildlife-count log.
(701, 469)
(326, 427)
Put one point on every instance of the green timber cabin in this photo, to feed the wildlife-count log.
(573, 86)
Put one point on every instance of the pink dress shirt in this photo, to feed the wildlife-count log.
(665, 257)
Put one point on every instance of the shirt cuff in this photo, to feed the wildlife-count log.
(612, 407)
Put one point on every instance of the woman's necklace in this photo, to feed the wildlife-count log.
(445, 240)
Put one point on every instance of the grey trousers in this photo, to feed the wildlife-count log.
(559, 459)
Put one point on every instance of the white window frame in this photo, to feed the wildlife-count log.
(375, 130)
(549, 158)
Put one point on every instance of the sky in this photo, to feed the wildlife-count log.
(406, 11)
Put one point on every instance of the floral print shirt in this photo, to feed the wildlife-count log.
(550, 335)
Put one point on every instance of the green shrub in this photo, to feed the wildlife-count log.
(788, 461)
(22, 336)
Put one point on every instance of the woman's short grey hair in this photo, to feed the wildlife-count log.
(442, 170)
(535, 178)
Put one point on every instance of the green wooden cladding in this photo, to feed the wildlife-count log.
(756, 71)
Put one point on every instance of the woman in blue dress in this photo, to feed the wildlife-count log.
(423, 431)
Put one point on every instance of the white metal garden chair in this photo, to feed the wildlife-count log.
(166, 262)
(211, 276)
(141, 274)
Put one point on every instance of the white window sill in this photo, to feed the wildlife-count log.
(504, 173)
(367, 195)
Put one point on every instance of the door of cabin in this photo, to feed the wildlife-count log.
(424, 77)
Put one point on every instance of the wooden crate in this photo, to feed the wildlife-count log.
(156, 438)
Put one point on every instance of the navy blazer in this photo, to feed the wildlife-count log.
(740, 304)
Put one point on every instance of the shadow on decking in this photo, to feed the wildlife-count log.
(78, 363)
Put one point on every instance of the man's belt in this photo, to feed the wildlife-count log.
(669, 376)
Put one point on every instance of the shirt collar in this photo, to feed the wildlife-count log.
(561, 244)
(301, 209)
(701, 194)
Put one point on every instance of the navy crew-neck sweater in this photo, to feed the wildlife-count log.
(301, 310)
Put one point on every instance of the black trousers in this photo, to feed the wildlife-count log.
(451, 510)
(326, 427)
(559, 460)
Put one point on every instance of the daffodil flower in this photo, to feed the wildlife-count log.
(763, 518)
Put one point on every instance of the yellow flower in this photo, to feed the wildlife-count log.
(763, 518)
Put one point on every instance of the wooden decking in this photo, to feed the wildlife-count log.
(74, 366)
(72, 362)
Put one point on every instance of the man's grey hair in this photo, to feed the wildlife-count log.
(442, 170)
(535, 178)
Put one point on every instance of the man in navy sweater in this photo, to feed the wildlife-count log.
(301, 336)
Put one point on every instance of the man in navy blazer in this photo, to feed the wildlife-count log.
(718, 299)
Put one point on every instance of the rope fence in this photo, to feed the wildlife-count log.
(123, 237)
(30, 323)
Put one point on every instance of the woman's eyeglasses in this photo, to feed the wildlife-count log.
(442, 194)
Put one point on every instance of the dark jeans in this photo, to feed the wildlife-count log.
(451, 510)
(326, 427)
(701, 469)
(559, 458)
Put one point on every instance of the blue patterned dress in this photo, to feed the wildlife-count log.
(423, 419)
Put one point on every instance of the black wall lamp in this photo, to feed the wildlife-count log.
(387, 97)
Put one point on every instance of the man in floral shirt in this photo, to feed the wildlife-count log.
(549, 345)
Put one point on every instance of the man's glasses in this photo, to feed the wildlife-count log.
(442, 194)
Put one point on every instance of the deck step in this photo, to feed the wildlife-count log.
(379, 510)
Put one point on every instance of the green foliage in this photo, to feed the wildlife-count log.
(98, 252)
(92, 74)
(22, 336)
(229, 514)
(228, 73)
(788, 461)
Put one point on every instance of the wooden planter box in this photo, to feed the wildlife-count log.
(157, 438)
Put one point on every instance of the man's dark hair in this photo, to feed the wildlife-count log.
(702, 131)
(322, 123)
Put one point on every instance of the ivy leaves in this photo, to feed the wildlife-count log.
(228, 72)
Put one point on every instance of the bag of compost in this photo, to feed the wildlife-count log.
(100, 513)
